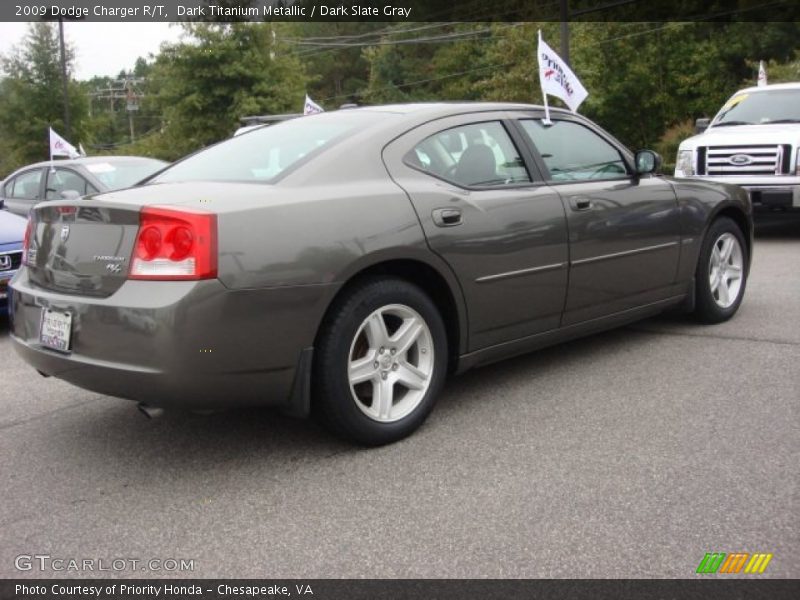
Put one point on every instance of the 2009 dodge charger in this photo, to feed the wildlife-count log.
(344, 263)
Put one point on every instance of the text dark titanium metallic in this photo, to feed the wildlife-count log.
(344, 263)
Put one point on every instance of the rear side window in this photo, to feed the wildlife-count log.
(264, 153)
(475, 155)
(62, 180)
(573, 152)
(26, 185)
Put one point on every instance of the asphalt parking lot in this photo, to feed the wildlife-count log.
(628, 454)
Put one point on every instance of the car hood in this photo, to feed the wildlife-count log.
(12, 228)
(741, 135)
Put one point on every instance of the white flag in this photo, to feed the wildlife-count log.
(61, 147)
(762, 74)
(557, 79)
(311, 107)
(81, 150)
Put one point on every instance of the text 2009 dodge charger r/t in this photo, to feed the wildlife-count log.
(344, 263)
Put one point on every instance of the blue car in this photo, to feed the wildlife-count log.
(12, 231)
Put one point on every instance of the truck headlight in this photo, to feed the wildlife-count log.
(684, 165)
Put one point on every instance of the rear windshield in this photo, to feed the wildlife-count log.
(117, 175)
(264, 153)
(759, 108)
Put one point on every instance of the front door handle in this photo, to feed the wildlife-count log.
(447, 217)
(580, 203)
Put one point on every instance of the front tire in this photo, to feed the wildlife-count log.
(381, 362)
(721, 272)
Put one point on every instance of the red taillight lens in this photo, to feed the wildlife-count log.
(173, 244)
(27, 240)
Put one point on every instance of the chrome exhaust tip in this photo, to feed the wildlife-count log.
(151, 412)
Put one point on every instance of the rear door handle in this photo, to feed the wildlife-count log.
(447, 217)
(580, 203)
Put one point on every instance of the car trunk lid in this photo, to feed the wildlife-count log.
(82, 249)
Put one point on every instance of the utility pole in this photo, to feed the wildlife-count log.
(126, 89)
(564, 16)
(67, 132)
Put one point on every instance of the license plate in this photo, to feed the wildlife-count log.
(55, 330)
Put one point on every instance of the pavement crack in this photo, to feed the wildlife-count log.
(47, 414)
(716, 337)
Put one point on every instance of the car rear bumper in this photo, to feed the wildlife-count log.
(184, 343)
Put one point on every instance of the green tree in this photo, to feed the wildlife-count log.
(203, 86)
(31, 98)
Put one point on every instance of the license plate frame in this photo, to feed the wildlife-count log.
(55, 330)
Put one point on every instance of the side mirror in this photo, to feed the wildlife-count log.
(647, 161)
(700, 125)
(70, 195)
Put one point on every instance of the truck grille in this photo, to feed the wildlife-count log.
(745, 160)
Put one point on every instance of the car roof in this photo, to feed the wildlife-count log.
(89, 160)
(794, 85)
(435, 109)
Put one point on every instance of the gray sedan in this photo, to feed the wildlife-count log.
(343, 264)
(70, 179)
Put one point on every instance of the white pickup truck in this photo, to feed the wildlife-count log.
(753, 142)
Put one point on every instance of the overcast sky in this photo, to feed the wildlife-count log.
(101, 48)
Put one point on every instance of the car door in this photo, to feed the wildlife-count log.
(23, 191)
(485, 209)
(624, 229)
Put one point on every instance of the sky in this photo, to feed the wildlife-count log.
(101, 48)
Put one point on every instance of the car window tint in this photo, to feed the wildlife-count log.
(574, 152)
(266, 152)
(62, 180)
(475, 155)
(26, 185)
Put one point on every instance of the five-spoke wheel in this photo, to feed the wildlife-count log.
(380, 362)
(721, 272)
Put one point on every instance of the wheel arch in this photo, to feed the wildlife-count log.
(738, 216)
(435, 280)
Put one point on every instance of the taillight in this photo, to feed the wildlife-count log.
(26, 240)
(174, 244)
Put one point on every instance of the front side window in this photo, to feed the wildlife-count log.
(573, 152)
(475, 155)
(26, 185)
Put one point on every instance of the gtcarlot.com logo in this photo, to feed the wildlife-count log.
(734, 562)
(46, 562)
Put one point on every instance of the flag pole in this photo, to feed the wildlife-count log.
(546, 119)
(50, 143)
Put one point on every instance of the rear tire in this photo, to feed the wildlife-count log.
(721, 273)
(380, 362)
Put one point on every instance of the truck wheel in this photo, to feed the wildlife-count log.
(721, 272)
(380, 363)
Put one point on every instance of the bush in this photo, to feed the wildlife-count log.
(667, 146)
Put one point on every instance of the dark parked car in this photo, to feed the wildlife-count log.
(12, 230)
(73, 178)
(344, 263)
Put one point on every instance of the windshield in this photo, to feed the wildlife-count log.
(116, 175)
(759, 108)
(266, 152)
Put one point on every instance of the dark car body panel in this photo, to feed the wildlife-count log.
(523, 269)
(12, 232)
